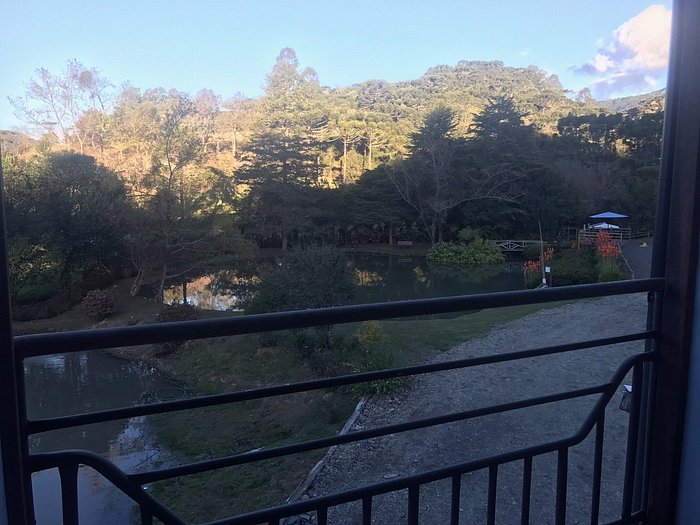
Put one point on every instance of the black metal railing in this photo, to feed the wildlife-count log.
(132, 485)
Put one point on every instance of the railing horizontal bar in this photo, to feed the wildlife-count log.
(362, 435)
(44, 425)
(76, 341)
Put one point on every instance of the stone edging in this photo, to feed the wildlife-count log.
(311, 476)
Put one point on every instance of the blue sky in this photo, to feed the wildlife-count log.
(229, 46)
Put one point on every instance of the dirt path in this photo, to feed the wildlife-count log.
(403, 454)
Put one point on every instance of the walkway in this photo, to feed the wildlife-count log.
(639, 256)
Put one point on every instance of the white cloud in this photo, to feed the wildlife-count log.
(636, 55)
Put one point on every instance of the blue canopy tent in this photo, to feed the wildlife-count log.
(608, 215)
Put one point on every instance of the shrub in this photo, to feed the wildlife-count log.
(532, 270)
(532, 251)
(99, 304)
(96, 277)
(479, 251)
(34, 293)
(170, 314)
(177, 312)
(611, 275)
(374, 354)
(574, 267)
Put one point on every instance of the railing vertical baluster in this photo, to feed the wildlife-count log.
(597, 467)
(367, 510)
(322, 514)
(456, 495)
(562, 482)
(146, 516)
(69, 493)
(493, 485)
(527, 489)
(413, 504)
(632, 436)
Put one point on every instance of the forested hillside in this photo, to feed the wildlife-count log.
(156, 181)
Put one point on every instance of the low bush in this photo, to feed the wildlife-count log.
(177, 312)
(478, 251)
(56, 304)
(532, 251)
(35, 293)
(174, 313)
(574, 267)
(99, 304)
(96, 277)
(374, 353)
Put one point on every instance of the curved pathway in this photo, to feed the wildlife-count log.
(637, 252)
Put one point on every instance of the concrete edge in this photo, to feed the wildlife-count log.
(314, 472)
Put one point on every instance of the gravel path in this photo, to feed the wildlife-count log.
(408, 453)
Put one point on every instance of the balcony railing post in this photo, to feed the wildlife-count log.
(675, 257)
(16, 481)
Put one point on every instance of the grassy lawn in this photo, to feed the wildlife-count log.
(230, 364)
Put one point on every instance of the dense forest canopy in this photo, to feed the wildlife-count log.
(157, 180)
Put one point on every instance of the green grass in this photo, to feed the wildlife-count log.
(230, 364)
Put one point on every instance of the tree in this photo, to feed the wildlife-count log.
(61, 100)
(66, 207)
(282, 155)
(438, 177)
(343, 124)
(163, 137)
(316, 277)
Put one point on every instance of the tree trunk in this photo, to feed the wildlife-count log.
(285, 239)
(391, 234)
(345, 161)
(369, 154)
(161, 285)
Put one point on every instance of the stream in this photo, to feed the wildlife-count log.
(82, 382)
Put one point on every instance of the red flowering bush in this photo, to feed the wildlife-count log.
(608, 253)
(531, 271)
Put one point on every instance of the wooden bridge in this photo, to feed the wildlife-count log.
(510, 245)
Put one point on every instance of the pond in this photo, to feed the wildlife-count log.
(82, 382)
(379, 278)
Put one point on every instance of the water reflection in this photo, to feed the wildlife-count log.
(379, 278)
(83, 382)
